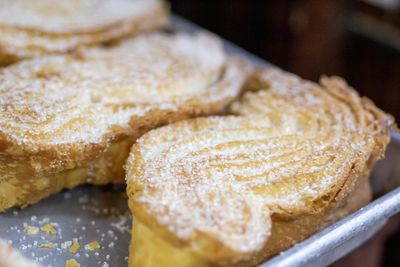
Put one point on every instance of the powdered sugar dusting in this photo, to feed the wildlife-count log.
(71, 16)
(289, 151)
(35, 28)
(67, 99)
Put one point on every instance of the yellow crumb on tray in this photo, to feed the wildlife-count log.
(31, 230)
(72, 263)
(48, 229)
(92, 246)
(48, 245)
(74, 248)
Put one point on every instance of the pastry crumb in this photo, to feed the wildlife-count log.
(30, 230)
(72, 263)
(48, 245)
(48, 229)
(92, 246)
(74, 247)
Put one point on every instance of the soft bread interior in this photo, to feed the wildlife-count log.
(26, 188)
(147, 249)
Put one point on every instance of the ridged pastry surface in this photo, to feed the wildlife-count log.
(293, 149)
(70, 16)
(62, 112)
(36, 27)
(64, 99)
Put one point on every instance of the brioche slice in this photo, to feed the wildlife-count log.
(236, 190)
(68, 120)
(36, 27)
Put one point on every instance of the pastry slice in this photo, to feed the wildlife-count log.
(236, 190)
(68, 120)
(36, 27)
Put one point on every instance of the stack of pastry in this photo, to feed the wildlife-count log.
(236, 190)
(284, 157)
(71, 119)
(38, 27)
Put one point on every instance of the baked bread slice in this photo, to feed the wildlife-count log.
(36, 27)
(236, 190)
(71, 119)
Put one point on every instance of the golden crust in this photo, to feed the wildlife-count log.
(286, 233)
(212, 185)
(58, 113)
(32, 28)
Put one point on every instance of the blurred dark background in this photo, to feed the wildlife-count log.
(358, 40)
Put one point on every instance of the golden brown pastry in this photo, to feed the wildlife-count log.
(236, 190)
(68, 120)
(36, 27)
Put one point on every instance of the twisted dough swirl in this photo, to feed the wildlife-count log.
(71, 107)
(292, 149)
(31, 28)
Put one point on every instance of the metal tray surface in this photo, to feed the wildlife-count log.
(88, 213)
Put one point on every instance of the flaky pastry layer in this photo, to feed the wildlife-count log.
(39, 27)
(217, 186)
(148, 249)
(22, 185)
(61, 113)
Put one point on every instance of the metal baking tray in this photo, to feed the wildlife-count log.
(89, 213)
